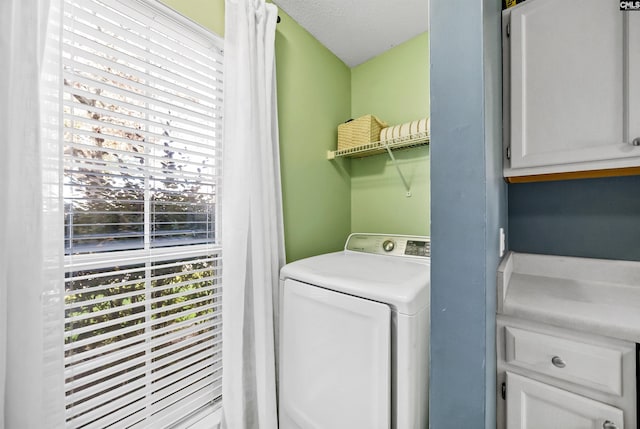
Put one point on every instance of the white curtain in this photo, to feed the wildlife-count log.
(252, 227)
(31, 231)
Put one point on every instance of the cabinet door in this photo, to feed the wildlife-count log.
(534, 405)
(633, 52)
(567, 83)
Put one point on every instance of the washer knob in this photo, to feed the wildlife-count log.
(388, 245)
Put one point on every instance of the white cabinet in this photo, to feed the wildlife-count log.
(566, 334)
(559, 378)
(572, 87)
(535, 405)
(633, 77)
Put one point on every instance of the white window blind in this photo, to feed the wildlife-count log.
(143, 132)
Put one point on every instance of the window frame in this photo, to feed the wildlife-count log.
(162, 15)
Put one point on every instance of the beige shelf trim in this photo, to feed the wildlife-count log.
(375, 148)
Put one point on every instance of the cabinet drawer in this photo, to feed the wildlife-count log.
(595, 366)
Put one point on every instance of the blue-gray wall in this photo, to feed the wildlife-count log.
(468, 205)
(496, 189)
(597, 218)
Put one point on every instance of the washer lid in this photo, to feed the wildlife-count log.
(400, 282)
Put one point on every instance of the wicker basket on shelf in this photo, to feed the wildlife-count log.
(358, 132)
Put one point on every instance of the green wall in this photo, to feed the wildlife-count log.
(208, 13)
(324, 201)
(395, 87)
(314, 95)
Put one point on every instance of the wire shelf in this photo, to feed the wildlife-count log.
(375, 148)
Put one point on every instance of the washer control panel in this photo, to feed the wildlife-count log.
(395, 245)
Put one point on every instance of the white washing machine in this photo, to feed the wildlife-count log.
(354, 336)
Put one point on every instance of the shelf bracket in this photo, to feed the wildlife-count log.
(395, 164)
(374, 148)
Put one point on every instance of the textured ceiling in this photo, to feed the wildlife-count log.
(358, 30)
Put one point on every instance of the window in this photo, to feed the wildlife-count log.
(142, 131)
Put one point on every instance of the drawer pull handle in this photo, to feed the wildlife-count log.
(558, 362)
(636, 141)
(609, 425)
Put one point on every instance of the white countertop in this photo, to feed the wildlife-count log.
(597, 296)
